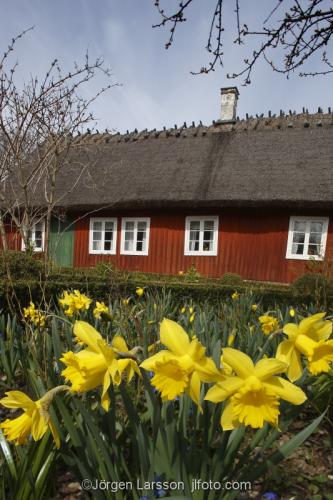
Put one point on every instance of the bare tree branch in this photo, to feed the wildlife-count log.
(301, 29)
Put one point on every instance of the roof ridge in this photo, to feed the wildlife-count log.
(259, 122)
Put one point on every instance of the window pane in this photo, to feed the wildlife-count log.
(298, 238)
(299, 225)
(314, 250)
(97, 226)
(209, 225)
(108, 226)
(297, 249)
(129, 240)
(315, 238)
(207, 246)
(139, 246)
(38, 239)
(142, 226)
(194, 246)
(129, 226)
(141, 241)
(97, 245)
(194, 225)
(316, 227)
(97, 235)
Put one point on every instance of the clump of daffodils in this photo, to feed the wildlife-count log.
(74, 303)
(269, 324)
(34, 316)
(139, 291)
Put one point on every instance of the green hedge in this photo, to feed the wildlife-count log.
(102, 289)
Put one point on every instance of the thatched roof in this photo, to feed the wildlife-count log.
(277, 161)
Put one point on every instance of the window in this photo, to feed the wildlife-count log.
(201, 235)
(103, 236)
(307, 238)
(36, 237)
(135, 236)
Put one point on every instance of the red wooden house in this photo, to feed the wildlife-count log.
(252, 197)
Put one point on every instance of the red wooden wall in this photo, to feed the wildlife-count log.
(251, 243)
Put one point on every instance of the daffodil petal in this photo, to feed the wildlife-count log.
(194, 388)
(119, 344)
(105, 399)
(174, 337)
(239, 362)
(285, 350)
(295, 369)
(291, 330)
(150, 363)
(225, 389)
(228, 420)
(265, 368)
(87, 334)
(286, 390)
(17, 399)
(38, 425)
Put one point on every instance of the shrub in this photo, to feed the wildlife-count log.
(21, 265)
(310, 284)
(231, 279)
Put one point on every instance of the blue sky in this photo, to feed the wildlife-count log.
(157, 88)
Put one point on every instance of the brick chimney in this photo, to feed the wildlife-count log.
(229, 98)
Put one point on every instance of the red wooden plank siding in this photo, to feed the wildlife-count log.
(252, 244)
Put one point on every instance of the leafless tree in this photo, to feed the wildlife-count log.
(302, 29)
(40, 125)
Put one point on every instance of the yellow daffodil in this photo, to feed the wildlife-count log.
(180, 273)
(182, 366)
(183, 309)
(34, 315)
(310, 338)
(35, 419)
(139, 291)
(254, 307)
(252, 392)
(235, 296)
(97, 365)
(75, 302)
(100, 309)
(192, 317)
(292, 313)
(269, 324)
(126, 301)
(191, 310)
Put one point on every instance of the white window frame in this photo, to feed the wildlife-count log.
(123, 225)
(103, 220)
(308, 220)
(33, 237)
(202, 219)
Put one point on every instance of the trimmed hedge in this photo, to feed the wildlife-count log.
(102, 289)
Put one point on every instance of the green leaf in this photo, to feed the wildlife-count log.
(7, 454)
(285, 450)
